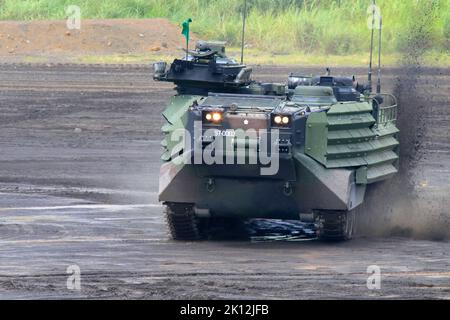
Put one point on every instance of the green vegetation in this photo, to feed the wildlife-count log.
(256, 57)
(335, 27)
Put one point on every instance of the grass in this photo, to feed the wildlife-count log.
(323, 30)
(256, 57)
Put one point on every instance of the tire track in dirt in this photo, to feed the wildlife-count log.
(125, 253)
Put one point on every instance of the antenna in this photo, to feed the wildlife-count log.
(243, 32)
(379, 56)
(371, 46)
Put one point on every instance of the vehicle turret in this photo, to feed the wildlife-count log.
(207, 68)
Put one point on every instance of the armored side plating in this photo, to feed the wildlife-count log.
(302, 150)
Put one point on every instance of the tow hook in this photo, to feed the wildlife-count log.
(288, 190)
(210, 185)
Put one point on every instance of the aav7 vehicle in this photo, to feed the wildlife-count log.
(235, 148)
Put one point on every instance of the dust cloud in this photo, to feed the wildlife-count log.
(416, 203)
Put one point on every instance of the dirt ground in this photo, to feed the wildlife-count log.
(79, 160)
(96, 37)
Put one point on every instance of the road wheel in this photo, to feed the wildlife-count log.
(182, 222)
(336, 225)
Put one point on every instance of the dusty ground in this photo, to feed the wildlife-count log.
(37, 39)
(79, 158)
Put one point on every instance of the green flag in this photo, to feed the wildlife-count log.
(185, 31)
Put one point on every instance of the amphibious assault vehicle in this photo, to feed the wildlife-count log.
(235, 148)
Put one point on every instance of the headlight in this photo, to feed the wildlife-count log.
(159, 68)
(282, 121)
(214, 117)
(277, 120)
